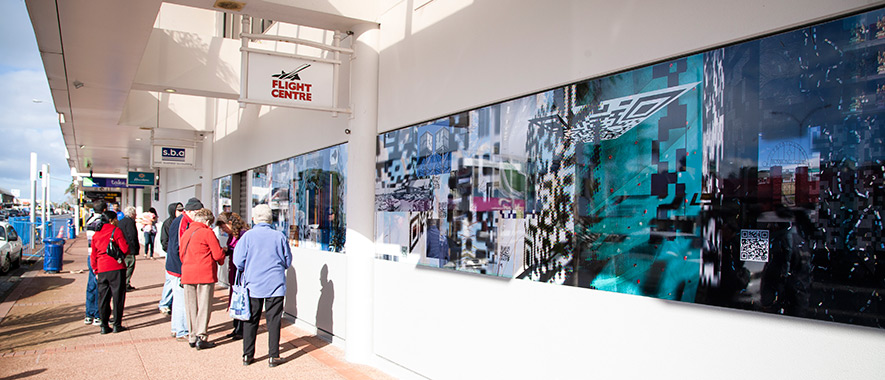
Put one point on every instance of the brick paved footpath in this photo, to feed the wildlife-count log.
(42, 335)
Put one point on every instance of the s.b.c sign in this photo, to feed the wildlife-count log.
(172, 157)
(173, 154)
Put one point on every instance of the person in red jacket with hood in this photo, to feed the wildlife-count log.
(110, 273)
(200, 255)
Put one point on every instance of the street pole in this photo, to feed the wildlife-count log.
(33, 212)
(44, 214)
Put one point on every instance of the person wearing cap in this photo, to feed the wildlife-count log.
(175, 210)
(192, 206)
(95, 222)
(200, 255)
(173, 267)
(263, 255)
(110, 273)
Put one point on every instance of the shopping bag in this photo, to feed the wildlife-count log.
(239, 300)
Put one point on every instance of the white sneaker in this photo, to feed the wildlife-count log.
(166, 310)
(87, 321)
(96, 322)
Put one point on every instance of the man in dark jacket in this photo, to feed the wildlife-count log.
(175, 210)
(130, 232)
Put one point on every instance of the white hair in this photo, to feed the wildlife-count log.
(129, 211)
(262, 214)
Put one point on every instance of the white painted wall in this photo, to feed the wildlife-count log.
(319, 304)
(456, 55)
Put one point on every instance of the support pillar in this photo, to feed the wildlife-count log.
(360, 196)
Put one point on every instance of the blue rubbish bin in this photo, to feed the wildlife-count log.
(52, 252)
(72, 232)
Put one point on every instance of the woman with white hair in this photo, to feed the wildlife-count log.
(263, 255)
(130, 231)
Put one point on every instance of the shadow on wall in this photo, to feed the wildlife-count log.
(292, 292)
(324, 306)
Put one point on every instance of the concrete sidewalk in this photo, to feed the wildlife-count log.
(42, 335)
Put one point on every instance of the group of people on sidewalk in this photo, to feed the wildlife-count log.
(259, 256)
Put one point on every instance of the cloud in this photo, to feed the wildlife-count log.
(30, 127)
(17, 38)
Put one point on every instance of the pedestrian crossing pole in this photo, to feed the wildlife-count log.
(33, 212)
(46, 213)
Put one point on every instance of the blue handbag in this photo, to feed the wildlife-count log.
(239, 300)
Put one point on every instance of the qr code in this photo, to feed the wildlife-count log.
(505, 253)
(754, 245)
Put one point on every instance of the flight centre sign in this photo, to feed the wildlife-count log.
(289, 81)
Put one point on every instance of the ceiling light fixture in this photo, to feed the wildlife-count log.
(138, 139)
(82, 146)
(61, 118)
(170, 90)
(78, 84)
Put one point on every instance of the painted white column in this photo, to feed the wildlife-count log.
(360, 245)
(206, 173)
(130, 199)
(139, 200)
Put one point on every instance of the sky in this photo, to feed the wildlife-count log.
(28, 120)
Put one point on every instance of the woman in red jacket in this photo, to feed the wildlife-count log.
(200, 255)
(110, 273)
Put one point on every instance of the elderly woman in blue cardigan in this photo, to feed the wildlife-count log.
(263, 255)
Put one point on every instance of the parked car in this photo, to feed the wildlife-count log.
(11, 249)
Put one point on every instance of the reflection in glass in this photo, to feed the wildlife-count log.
(280, 175)
(221, 195)
(749, 176)
(318, 192)
(260, 185)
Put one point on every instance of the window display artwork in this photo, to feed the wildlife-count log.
(221, 195)
(317, 199)
(749, 176)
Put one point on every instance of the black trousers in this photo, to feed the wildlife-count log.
(274, 314)
(111, 285)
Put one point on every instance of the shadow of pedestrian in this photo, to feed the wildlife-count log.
(324, 317)
(26, 374)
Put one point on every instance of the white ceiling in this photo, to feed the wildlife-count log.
(101, 44)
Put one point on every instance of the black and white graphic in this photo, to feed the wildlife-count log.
(616, 116)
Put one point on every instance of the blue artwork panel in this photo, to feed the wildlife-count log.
(750, 176)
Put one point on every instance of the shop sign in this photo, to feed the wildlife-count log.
(141, 178)
(105, 182)
(165, 156)
(289, 81)
(105, 195)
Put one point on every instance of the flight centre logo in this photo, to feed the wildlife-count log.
(288, 85)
